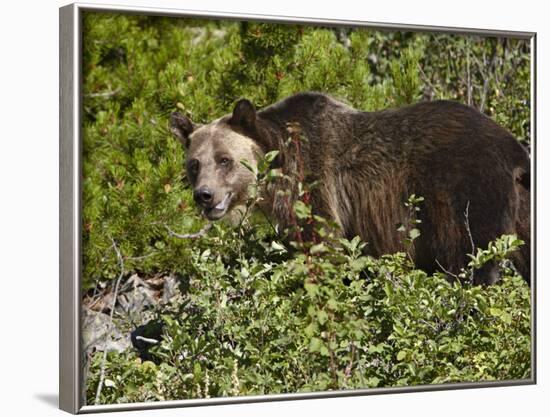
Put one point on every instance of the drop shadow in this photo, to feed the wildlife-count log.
(50, 399)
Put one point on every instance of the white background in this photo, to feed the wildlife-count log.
(29, 205)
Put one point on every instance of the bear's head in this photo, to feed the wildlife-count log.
(213, 159)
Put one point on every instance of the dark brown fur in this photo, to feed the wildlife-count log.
(369, 163)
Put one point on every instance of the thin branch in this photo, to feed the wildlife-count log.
(111, 314)
(361, 373)
(105, 94)
(196, 235)
(94, 298)
(427, 81)
(486, 75)
(484, 93)
(139, 258)
(427, 323)
(349, 367)
(269, 221)
(447, 271)
(332, 362)
(468, 76)
(467, 224)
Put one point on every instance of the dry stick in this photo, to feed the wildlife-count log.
(467, 224)
(104, 358)
(484, 93)
(349, 367)
(469, 78)
(332, 362)
(105, 94)
(427, 323)
(269, 221)
(446, 271)
(426, 79)
(139, 258)
(96, 296)
(196, 235)
(485, 90)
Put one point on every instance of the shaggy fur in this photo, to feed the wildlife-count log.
(367, 165)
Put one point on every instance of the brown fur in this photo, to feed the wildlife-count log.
(367, 164)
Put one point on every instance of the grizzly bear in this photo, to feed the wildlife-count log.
(474, 175)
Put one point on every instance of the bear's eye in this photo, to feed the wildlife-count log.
(224, 161)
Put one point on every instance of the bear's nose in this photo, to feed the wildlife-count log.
(203, 195)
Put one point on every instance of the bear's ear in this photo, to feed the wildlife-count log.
(181, 127)
(244, 114)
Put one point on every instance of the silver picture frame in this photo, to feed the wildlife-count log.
(70, 187)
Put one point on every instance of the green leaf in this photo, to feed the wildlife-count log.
(497, 312)
(506, 318)
(379, 348)
(332, 304)
(312, 289)
(310, 330)
(322, 317)
(401, 355)
(270, 156)
(373, 382)
(109, 383)
(315, 344)
(414, 233)
(278, 247)
(318, 248)
(302, 211)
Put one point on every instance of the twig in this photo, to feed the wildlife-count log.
(196, 235)
(426, 79)
(467, 224)
(447, 271)
(244, 217)
(427, 323)
(94, 299)
(484, 93)
(269, 221)
(390, 278)
(104, 94)
(104, 358)
(139, 258)
(468, 76)
(361, 372)
(332, 361)
(349, 367)
(491, 66)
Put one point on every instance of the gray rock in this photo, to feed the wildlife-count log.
(98, 333)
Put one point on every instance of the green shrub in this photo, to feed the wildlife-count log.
(325, 317)
(256, 315)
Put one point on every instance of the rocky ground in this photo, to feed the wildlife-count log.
(131, 324)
